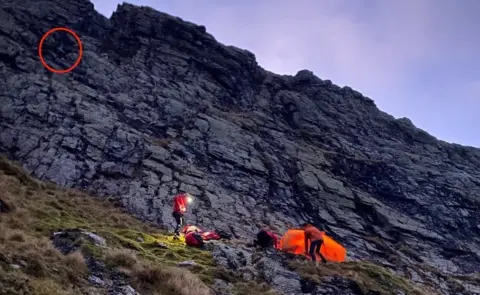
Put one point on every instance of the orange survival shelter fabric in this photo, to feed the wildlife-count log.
(293, 241)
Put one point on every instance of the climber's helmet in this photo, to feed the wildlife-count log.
(189, 198)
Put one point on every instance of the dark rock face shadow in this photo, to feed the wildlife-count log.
(5, 207)
(307, 286)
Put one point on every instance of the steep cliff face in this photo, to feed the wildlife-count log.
(158, 105)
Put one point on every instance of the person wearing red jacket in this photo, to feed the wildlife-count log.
(180, 202)
(315, 237)
(275, 239)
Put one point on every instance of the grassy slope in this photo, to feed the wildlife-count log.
(40, 208)
(368, 278)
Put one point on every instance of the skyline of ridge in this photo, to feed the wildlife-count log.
(422, 69)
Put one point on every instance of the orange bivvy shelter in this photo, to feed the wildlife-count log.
(293, 241)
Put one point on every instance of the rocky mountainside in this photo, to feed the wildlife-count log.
(157, 105)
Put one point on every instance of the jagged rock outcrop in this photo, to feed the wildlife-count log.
(158, 105)
(115, 283)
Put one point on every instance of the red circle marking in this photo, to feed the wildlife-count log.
(80, 48)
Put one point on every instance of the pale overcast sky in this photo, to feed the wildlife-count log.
(415, 58)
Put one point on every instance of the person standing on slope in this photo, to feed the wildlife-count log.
(315, 236)
(180, 202)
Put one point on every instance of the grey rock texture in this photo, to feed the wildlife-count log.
(110, 281)
(157, 105)
(272, 267)
(65, 240)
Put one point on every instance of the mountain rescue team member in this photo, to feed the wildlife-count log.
(266, 238)
(315, 236)
(179, 209)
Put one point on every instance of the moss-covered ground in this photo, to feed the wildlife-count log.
(368, 278)
(29, 264)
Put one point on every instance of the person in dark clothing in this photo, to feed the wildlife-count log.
(179, 209)
(266, 239)
(315, 237)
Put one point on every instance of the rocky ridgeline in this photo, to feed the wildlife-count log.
(158, 105)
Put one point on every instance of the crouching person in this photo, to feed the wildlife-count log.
(315, 237)
(267, 239)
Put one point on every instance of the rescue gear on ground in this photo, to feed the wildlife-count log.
(206, 235)
(194, 239)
